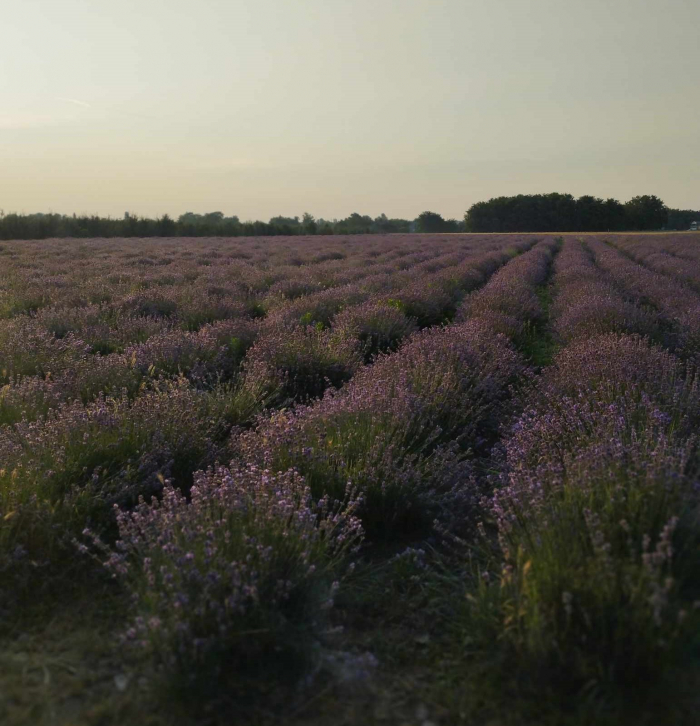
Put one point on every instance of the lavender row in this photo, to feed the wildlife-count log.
(401, 431)
(192, 284)
(85, 430)
(57, 339)
(587, 303)
(670, 258)
(683, 246)
(676, 304)
(509, 303)
(300, 361)
(234, 580)
(595, 508)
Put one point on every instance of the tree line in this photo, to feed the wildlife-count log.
(564, 213)
(682, 218)
(212, 224)
(521, 213)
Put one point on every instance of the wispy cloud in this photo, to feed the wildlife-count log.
(116, 111)
(75, 101)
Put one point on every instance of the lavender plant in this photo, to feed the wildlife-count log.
(235, 582)
(401, 430)
(300, 362)
(596, 513)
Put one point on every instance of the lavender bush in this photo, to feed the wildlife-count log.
(301, 362)
(64, 472)
(378, 326)
(596, 513)
(587, 303)
(508, 303)
(236, 581)
(400, 431)
(677, 304)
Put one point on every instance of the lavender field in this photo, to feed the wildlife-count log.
(400, 479)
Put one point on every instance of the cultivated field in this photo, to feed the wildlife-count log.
(402, 479)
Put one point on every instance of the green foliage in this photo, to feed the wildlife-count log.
(521, 213)
(681, 219)
(41, 226)
(244, 602)
(646, 212)
(308, 224)
(85, 459)
(433, 222)
(396, 304)
(563, 213)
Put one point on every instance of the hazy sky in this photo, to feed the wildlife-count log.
(263, 107)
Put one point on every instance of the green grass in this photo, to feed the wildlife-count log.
(539, 345)
(62, 666)
(437, 660)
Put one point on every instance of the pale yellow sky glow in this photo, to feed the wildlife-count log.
(265, 107)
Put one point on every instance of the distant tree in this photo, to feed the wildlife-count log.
(589, 213)
(521, 213)
(354, 224)
(682, 218)
(646, 212)
(308, 223)
(325, 227)
(383, 225)
(430, 222)
(166, 227)
(613, 216)
(563, 213)
(291, 222)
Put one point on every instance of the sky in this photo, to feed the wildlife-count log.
(267, 107)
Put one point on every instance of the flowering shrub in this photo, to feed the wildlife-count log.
(64, 472)
(378, 326)
(677, 304)
(616, 366)
(30, 397)
(401, 429)
(673, 260)
(596, 513)
(318, 309)
(300, 362)
(211, 354)
(26, 349)
(236, 580)
(433, 298)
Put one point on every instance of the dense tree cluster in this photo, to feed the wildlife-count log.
(432, 222)
(564, 213)
(682, 218)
